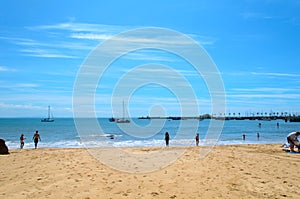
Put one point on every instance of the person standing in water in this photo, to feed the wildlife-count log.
(197, 139)
(22, 141)
(36, 138)
(167, 138)
(244, 136)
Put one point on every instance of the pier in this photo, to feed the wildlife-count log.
(293, 118)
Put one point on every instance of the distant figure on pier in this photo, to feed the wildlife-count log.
(259, 125)
(167, 138)
(244, 136)
(197, 139)
(257, 135)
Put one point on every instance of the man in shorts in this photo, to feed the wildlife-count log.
(36, 138)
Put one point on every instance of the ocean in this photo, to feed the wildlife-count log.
(63, 133)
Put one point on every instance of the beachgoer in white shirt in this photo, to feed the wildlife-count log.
(292, 139)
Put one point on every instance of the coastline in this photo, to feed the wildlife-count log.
(231, 171)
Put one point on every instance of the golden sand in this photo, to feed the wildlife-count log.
(244, 171)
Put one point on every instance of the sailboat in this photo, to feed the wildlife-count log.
(112, 119)
(123, 120)
(48, 119)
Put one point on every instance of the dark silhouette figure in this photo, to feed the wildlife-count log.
(22, 141)
(3, 148)
(244, 136)
(197, 139)
(257, 136)
(167, 138)
(36, 138)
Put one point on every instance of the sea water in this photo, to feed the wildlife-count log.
(63, 132)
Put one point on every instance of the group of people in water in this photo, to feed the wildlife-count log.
(292, 140)
(167, 138)
(36, 137)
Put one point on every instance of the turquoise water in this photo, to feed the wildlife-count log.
(63, 133)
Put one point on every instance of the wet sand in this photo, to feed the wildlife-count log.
(243, 171)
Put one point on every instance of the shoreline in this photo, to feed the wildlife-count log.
(191, 143)
(235, 171)
(150, 147)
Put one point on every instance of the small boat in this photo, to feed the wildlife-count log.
(123, 120)
(175, 118)
(111, 136)
(48, 119)
(112, 119)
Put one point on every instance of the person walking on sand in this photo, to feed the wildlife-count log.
(197, 139)
(22, 138)
(36, 138)
(292, 139)
(167, 138)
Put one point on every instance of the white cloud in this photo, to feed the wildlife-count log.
(265, 89)
(255, 15)
(276, 74)
(20, 106)
(203, 40)
(78, 34)
(45, 53)
(80, 27)
(6, 69)
(91, 36)
(56, 44)
(263, 96)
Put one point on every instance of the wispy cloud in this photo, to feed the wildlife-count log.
(263, 96)
(45, 53)
(56, 44)
(203, 40)
(255, 15)
(276, 74)
(264, 89)
(20, 106)
(7, 69)
(90, 36)
(18, 87)
(80, 27)
(149, 56)
(79, 37)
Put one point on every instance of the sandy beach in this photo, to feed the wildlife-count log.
(243, 171)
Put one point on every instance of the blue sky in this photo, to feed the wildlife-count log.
(255, 45)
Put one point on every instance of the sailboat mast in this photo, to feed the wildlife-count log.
(48, 112)
(123, 110)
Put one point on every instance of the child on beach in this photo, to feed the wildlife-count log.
(292, 139)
